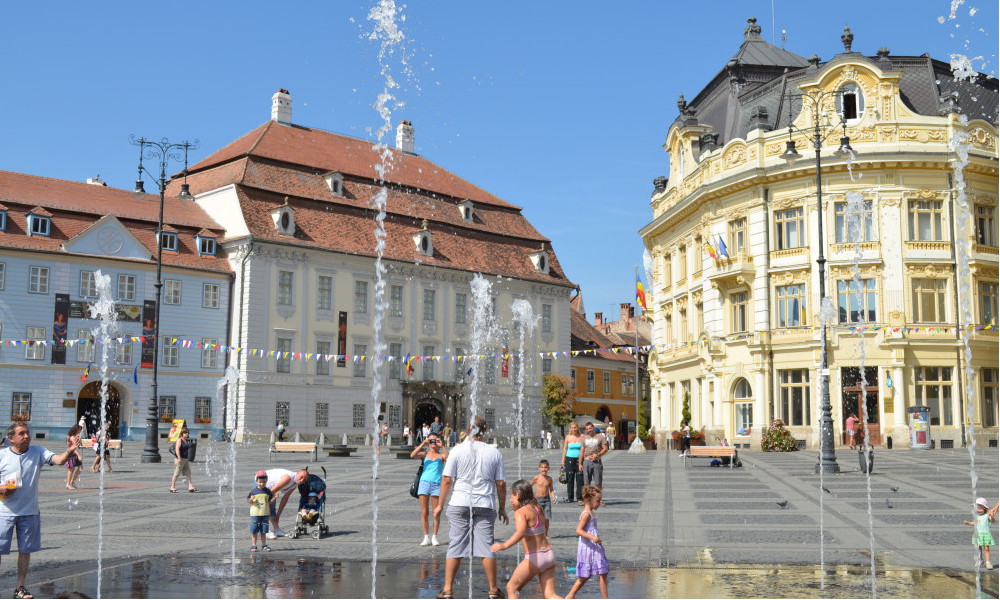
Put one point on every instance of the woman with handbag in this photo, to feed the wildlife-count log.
(572, 444)
(429, 484)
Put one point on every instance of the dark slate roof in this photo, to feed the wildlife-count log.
(760, 76)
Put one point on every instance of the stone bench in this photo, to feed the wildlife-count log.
(112, 445)
(277, 447)
(339, 450)
(402, 451)
(711, 452)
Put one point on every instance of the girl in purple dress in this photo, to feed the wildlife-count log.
(590, 557)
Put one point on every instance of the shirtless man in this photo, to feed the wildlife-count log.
(545, 493)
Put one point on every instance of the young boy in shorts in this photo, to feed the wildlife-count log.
(545, 493)
(260, 499)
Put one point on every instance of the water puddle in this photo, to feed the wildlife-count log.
(277, 576)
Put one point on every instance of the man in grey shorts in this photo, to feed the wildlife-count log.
(474, 473)
(595, 445)
(20, 465)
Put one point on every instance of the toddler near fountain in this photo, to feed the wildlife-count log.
(590, 557)
(260, 498)
(982, 538)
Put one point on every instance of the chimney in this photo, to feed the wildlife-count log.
(281, 107)
(626, 310)
(404, 137)
(598, 319)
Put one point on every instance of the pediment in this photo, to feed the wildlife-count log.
(108, 237)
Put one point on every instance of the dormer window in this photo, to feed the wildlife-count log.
(850, 103)
(424, 240)
(540, 260)
(284, 219)
(3, 219)
(39, 222)
(335, 183)
(466, 208)
(168, 240)
(206, 243)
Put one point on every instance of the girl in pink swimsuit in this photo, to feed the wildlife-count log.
(539, 559)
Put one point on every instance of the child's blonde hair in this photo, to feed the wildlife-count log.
(590, 491)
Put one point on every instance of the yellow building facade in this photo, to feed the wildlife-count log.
(741, 334)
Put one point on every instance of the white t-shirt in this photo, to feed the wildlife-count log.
(593, 444)
(475, 468)
(273, 475)
(26, 467)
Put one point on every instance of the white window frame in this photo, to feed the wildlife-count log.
(88, 284)
(38, 279)
(360, 367)
(591, 381)
(786, 297)
(546, 318)
(324, 292)
(361, 297)
(606, 382)
(35, 351)
(207, 246)
(461, 307)
(323, 348)
(209, 354)
(211, 295)
(396, 364)
(847, 296)
(202, 409)
(126, 287)
(396, 301)
(430, 305)
(786, 237)
(172, 291)
(85, 352)
(935, 393)
(428, 366)
(787, 399)
(286, 288)
(282, 364)
(168, 241)
(39, 225)
(170, 354)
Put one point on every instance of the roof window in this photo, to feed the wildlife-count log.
(468, 211)
(424, 240)
(284, 218)
(3, 218)
(335, 182)
(540, 260)
(168, 240)
(39, 222)
(206, 243)
(850, 103)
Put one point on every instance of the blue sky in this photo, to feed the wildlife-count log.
(559, 107)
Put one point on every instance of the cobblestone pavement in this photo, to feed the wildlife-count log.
(659, 513)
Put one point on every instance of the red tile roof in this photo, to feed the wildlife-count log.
(75, 206)
(583, 336)
(275, 161)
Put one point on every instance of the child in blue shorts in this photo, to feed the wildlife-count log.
(260, 499)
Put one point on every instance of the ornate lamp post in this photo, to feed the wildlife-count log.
(827, 458)
(163, 151)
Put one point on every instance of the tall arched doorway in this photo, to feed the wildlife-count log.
(88, 406)
(424, 411)
(603, 414)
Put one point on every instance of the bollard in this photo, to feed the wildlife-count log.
(343, 440)
(866, 468)
(321, 441)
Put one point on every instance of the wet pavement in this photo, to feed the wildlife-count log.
(669, 531)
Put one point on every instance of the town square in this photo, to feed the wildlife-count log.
(449, 300)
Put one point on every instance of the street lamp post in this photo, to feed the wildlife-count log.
(827, 458)
(163, 151)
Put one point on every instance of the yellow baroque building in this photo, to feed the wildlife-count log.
(741, 335)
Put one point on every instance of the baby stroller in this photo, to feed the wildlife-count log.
(315, 486)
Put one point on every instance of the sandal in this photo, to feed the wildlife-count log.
(174, 491)
(22, 592)
(193, 490)
(253, 548)
(497, 593)
(266, 548)
(445, 594)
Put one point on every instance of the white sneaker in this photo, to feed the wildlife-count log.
(270, 535)
(989, 565)
(279, 533)
(435, 542)
(427, 541)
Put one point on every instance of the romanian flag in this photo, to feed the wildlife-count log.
(711, 251)
(86, 373)
(640, 293)
(409, 364)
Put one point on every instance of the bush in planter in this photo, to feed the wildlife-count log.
(778, 439)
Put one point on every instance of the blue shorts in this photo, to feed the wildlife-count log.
(429, 488)
(29, 533)
(258, 525)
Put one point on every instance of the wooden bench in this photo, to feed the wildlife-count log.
(711, 452)
(339, 450)
(112, 445)
(309, 447)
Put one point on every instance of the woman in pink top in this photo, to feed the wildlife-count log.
(852, 424)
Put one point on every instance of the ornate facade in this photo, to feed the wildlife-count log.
(740, 335)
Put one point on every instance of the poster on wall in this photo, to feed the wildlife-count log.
(60, 329)
(342, 339)
(148, 332)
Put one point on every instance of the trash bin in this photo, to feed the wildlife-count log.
(192, 450)
(920, 427)
(866, 468)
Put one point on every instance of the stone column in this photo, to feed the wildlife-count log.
(900, 428)
(760, 417)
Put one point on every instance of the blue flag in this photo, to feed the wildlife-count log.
(135, 374)
(722, 247)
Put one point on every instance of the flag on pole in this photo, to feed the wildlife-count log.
(640, 293)
(135, 374)
(722, 247)
(711, 250)
(86, 373)
(409, 365)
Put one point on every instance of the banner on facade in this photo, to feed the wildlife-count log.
(78, 309)
(148, 333)
(342, 340)
(60, 329)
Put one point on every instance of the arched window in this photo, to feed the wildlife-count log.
(850, 102)
(742, 407)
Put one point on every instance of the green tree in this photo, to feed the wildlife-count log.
(643, 423)
(557, 403)
(686, 409)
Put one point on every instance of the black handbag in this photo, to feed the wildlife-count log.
(415, 486)
(562, 475)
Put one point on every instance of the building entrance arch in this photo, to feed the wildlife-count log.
(88, 406)
(424, 411)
